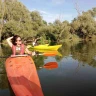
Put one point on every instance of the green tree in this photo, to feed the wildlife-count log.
(84, 26)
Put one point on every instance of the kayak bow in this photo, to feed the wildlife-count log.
(22, 75)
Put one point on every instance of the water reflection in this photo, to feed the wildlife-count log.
(75, 75)
(51, 65)
(69, 79)
(83, 52)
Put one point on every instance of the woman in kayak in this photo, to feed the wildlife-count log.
(18, 48)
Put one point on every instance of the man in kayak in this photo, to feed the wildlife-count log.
(34, 43)
(18, 48)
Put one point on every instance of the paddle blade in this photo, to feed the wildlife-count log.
(51, 65)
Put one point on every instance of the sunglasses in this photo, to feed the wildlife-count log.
(19, 40)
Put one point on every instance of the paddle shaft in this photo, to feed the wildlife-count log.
(45, 54)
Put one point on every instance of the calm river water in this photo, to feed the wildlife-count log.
(75, 75)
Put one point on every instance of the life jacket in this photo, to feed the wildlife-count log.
(22, 49)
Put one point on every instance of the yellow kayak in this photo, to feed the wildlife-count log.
(44, 47)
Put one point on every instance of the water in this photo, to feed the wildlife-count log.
(70, 79)
(75, 75)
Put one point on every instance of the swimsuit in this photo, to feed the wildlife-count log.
(18, 50)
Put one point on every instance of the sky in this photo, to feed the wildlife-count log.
(50, 10)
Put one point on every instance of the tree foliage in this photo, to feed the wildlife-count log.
(84, 26)
(15, 18)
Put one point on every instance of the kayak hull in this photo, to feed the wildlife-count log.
(44, 47)
(52, 53)
(22, 75)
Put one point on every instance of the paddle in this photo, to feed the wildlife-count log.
(13, 56)
(49, 53)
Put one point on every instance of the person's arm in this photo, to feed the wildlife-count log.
(37, 39)
(29, 52)
(9, 41)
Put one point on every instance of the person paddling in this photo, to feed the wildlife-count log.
(34, 42)
(18, 48)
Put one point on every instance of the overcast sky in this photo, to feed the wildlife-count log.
(51, 10)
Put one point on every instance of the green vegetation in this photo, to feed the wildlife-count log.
(15, 18)
(83, 52)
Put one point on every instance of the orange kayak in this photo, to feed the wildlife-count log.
(22, 75)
